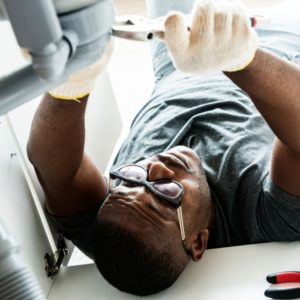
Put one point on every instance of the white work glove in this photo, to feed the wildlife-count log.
(218, 38)
(83, 82)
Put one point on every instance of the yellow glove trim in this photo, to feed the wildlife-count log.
(243, 66)
(77, 98)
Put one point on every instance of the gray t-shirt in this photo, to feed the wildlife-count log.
(217, 119)
(211, 115)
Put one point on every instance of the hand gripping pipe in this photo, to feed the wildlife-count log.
(16, 279)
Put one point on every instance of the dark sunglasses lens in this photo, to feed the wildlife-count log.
(170, 189)
(133, 172)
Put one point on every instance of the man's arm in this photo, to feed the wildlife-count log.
(70, 180)
(220, 37)
(274, 86)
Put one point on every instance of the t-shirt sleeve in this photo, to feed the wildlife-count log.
(278, 213)
(79, 229)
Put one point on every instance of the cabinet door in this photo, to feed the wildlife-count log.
(18, 211)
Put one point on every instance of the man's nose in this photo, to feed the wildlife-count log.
(158, 170)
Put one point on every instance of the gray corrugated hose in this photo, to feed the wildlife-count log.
(16, 279)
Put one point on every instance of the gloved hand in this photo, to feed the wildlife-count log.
(219, 37)
(83, 82)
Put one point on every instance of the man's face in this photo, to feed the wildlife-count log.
(144, 213)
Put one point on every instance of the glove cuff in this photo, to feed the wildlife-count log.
(74, 92)
(82, 83)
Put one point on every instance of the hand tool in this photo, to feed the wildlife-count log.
(283, 287)
(138, 28)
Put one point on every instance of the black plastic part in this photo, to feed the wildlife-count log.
(271, 278)
(289, 293)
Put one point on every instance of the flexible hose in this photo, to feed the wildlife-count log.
(16, 279)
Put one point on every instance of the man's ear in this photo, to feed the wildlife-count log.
(199, 244)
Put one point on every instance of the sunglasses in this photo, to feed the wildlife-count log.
(169, 190)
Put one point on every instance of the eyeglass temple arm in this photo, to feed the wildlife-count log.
(181, 226)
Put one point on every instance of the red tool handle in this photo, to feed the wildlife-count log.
(284, 277)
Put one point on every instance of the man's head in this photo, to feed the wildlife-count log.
(139, 245)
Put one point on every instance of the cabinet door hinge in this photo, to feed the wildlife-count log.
(54, 261)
